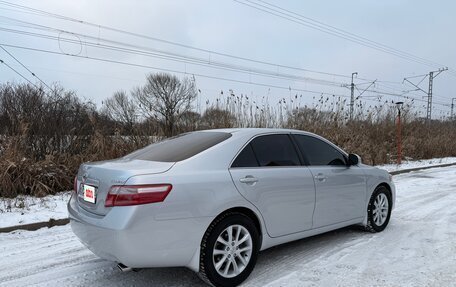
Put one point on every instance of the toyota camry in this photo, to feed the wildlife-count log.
(211, 200)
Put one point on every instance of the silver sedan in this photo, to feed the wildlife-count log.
(211, 200)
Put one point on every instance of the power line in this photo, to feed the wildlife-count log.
(25, 9)
(210, 52)
(396, 92)
(48, 14)
(181, 72)
(244, 82)
(302, 20)
(297, 20)
(25, 78)
(179, 58)
(56, 100)
(90, 75)
(32, 73)
(380, 93)
(169, 70)
(43, 13)
(289, 15)
(17, 72)
(406, 97)
(172, 56)
(403, 94)
(347, 32)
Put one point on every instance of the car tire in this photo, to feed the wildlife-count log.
(227, 260)
(379, 210)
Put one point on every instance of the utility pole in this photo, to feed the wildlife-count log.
(432, 75)
(398, 135)
(352, 98)
(452, 108)
(429, 98)
(431, 80)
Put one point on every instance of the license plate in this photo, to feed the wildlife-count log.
(89, 193)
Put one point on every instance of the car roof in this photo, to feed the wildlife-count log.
(255, 131)
(251, 132)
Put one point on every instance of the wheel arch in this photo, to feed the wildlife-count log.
(194, 263)
(368, 226)
(388, 187)
(249, 213)
(384, 184)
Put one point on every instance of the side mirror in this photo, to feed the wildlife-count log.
(354, 159)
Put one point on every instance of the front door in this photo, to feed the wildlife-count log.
(340, 189)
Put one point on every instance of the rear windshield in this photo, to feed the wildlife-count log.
(179, 147)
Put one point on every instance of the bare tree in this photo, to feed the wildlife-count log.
(165, 98)
(121, 108)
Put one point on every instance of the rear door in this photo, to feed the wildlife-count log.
(269, 174)
(340, 189)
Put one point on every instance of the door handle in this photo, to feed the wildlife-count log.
(248, 179)
(321, 177)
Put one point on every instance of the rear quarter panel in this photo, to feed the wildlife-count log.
(195, 193)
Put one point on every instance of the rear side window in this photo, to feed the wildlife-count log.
(319, 152)
(275, 150)
(179, 147)
(246, 158)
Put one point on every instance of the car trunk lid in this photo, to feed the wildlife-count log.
(104, 174)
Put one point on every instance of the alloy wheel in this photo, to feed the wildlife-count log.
(380, 211)
(232, 251)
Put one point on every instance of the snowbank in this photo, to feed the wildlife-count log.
(418, 163)
(27, 209)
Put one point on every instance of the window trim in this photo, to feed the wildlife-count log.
(289, 134)
(343, 153)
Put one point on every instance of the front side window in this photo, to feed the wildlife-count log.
(275, 150)
(179, 147)
(319, 152)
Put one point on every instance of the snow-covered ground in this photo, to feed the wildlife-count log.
(27, 209)
(407, 164)
(418, 248)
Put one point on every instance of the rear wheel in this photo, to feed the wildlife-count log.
(229, 250)
(379, 210)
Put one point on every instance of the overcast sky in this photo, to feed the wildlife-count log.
(422, 28)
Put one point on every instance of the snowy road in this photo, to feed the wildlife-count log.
(417, 249)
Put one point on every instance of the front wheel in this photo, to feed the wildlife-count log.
(379, 210)
(229, 250)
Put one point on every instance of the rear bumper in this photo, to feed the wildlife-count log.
(132, 236)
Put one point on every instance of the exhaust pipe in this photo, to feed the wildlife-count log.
(125, 268)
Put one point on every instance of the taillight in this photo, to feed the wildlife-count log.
(125, 195)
